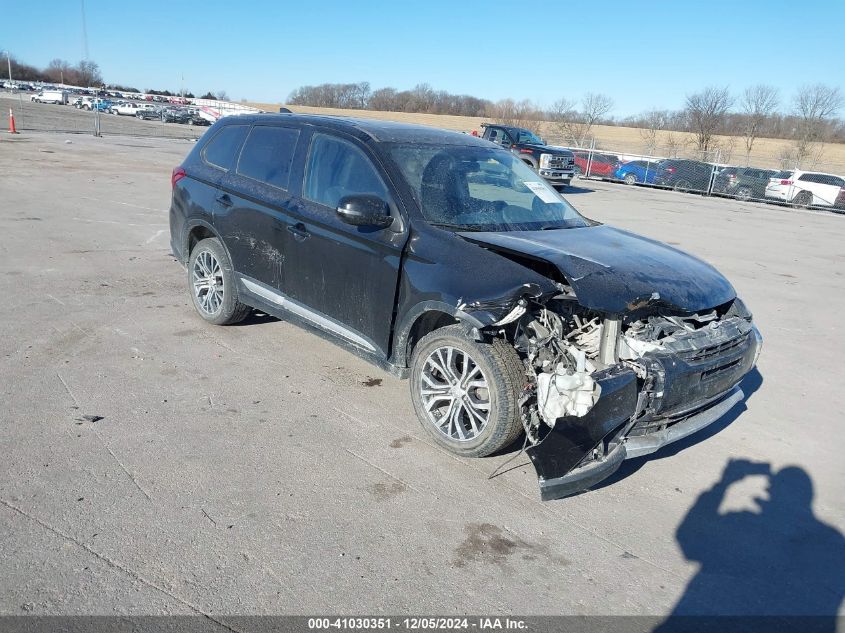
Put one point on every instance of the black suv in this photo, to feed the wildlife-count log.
(684, 175)
(443, 258)
(744, 183)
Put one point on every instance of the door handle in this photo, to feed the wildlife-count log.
(299, 231)
(224, 199)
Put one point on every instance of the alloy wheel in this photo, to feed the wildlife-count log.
(208, 283)
(455, 394)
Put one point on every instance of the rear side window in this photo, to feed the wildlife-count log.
(268, 154)
(809, 178)
(336, 169)
(498, 135)
(222, 150)
(828, 179)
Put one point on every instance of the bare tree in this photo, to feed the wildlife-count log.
(705, 112)
(815, 106)
(363, 94)
(758, 103)
(523, 114)
(673, 144)
(723, 150)
(383, 99)
(577, 126)
(89, 73)
(650, 124)
(60, 70)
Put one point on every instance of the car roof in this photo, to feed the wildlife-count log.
(376, 129)
(815, 173)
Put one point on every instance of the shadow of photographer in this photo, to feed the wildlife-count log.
(776, 561)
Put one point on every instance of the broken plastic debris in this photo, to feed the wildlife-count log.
(90, 418)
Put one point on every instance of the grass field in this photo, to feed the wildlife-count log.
(766, 152)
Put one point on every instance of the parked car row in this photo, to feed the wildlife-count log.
(795, 187)
(25, 86)
(145, 111)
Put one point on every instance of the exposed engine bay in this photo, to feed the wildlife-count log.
(649, 369)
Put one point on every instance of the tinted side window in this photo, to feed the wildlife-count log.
(268, 154)
(222, 150)
(336, 169)
(829, 179)
(808, 178)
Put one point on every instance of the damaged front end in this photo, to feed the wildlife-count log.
(602, 387)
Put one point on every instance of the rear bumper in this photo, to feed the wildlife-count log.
(776, 194)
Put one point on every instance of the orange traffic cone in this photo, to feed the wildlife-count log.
(12, 129)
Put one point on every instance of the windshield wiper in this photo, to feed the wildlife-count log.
(459, 227)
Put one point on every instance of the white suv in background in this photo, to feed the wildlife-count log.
(805, 188)
(127, 109)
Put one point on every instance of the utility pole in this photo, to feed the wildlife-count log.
(84, 32)
(9, 63)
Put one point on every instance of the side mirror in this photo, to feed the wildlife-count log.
(364, 210)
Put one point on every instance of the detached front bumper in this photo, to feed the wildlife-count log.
(608, 434)
(584, 477)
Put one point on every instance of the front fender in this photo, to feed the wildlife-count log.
(441, 271)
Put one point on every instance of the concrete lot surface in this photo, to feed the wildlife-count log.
(154, 464)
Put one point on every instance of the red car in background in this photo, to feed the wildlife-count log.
(601, 165)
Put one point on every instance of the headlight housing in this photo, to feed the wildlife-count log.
(545, 161)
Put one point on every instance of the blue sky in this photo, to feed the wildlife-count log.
(643, 54)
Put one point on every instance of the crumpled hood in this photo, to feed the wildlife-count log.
(615, 271)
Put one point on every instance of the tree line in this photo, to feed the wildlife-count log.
(810, 118)
(85, 73)
(359, 96)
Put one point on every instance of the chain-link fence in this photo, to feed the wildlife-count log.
(767, 175)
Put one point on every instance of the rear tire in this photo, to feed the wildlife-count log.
(465, 393)
(212, 285)
(804, 199)
(683, 186)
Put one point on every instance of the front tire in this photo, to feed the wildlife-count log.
(211, 282)
(744, 193)
(465, 393)
(630, 179)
